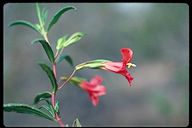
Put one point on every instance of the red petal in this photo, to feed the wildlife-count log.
(94, 100)
(85, 85)
(113, 66)
(96, 80)
(99, 90)
(126, 54)
(94, 89)
(129, 77)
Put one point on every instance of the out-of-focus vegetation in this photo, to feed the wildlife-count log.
(159, 36)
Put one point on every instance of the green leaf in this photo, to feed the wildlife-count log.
(60, 42)
(41, 96)
(57, 15)
(44, 14)
(51, 76)
(74, 80)
(73, 38)
(26, 109)
(50, 107)
(39, 14)
(36, 40)
(56, 108)
(67, 58)
(47, 108)
(47, 49)
(38, 27)
(76, 123)
(94, 64)
(25, 23)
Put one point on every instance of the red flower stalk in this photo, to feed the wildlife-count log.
(94, 89)
(120, 67)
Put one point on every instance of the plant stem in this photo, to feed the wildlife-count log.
(46, 38)
(54, 70)
(58, 54)
(58, 119)
(68, 79)
(53, 99)
(54, 66)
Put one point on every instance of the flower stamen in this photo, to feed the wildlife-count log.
(129, 65)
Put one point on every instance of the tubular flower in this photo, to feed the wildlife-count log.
(94, 89)
(120, 67)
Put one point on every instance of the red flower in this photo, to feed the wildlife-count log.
(120, 67)
(94, 89)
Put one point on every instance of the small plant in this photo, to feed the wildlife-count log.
(50, 108)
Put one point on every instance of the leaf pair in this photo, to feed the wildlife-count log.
(64, 42)
(45, 96)
(42, 16)
(27, 109)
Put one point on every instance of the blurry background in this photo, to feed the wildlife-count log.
(157, 33)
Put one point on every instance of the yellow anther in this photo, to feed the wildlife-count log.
(130, 64)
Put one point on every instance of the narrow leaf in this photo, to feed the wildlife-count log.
(57, 106)
(39, 14)
(36, 40)
(67, 58)
(76, 123)
(48, 109)
(26, 109)
(38, 27)
(73, 38)
(50, 106)
(44, 14)
(47, 49)
(41, 96)
(25, 23)
(57, 15)
(51, 76)
(60, 42)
